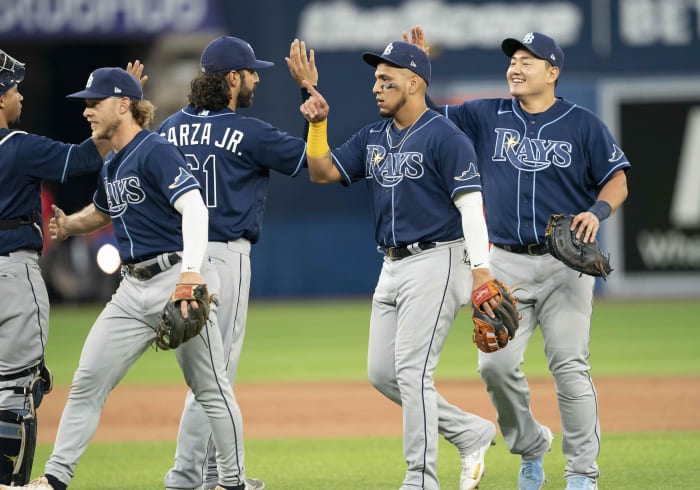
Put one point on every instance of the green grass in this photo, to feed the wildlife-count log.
(327, 340)
(666, 461)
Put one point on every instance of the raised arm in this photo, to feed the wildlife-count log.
(318, 154)
(302, 66)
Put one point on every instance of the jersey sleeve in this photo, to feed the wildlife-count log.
(166, 169)
(604, 153)
(278, 150)
(47, 159)
(458, 169)
(463, 116)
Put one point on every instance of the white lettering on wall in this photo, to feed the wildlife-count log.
(342, 25)
(659, 22)
(685, 206)
(669, 249)
(81, 16)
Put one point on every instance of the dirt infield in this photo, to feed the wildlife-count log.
(357, 410)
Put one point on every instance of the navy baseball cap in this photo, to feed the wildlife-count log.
(228, 53)
(110, 82)
(403, 55)
(11, 72)
(544, 47)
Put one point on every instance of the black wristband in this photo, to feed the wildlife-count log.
(305, 94)
(601, 209)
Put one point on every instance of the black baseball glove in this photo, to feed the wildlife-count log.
(174, 330)
(492, 334)
(562, 243)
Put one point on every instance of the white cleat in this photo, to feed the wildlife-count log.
(473, 468)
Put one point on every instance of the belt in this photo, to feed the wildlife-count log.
(148, 268)
(20, 374)
(398, 253)
(530, 249)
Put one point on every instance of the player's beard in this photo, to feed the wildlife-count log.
(392, 112)
(106, 132)
(245, 96)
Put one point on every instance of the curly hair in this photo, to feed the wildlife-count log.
(209, 91)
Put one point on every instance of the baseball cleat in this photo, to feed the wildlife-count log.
(531, 475)
(473, 468)
(248, 484)
(40, 483)
(581, 483)
(254, 484)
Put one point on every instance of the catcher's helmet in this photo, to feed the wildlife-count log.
(11, 72)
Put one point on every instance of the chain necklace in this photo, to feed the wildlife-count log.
(405, 136)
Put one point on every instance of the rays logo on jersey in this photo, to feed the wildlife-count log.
(530, 154)
(181, 178)
(388, 169)
(468, 174)
(616, 155)
(121, 193)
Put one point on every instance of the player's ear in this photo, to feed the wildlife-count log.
(232, 78)
(553, 73)
(414, 84)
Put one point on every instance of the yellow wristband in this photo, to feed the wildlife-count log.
(317, 140)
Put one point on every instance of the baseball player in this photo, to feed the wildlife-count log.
(540, 155)
(160, 223)
(25, 160)
(231, 156)
(425, 194)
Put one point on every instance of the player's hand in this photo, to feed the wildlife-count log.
(135, 68)
(302, 66)
(417, 38)
(189, 278)
(315, 108)
(57, 224)
(480, 277)
(586, 225)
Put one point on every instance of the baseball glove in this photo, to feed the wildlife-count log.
(174, 330)
(562, 243)
(492, 334)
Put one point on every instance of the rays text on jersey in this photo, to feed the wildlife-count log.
(122, 192)
(530, 154)
(200, 134)
(388, 169)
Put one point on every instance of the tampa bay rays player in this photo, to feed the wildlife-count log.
(160, 222)
(539, 155)
(25, 160)
(425, 194)
(231, 155)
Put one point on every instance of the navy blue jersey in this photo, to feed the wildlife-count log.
(139, 186)
(231, 156)
(26, 160)
(557, 160)
(413, 176)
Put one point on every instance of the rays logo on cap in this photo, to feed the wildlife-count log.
(528, 38)
(388, 49)
(89, 82)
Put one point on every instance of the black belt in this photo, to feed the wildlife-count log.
(20, 374)
(13, 224)
(530, 249)
(150, 267)
(398, 253)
